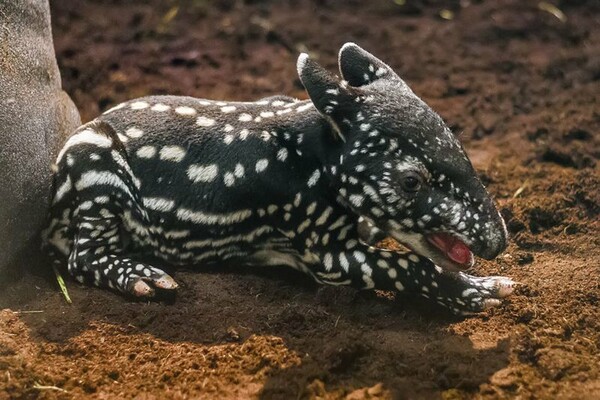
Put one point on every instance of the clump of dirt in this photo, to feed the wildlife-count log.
(518, 81)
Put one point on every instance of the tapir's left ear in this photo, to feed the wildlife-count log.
(332, 97)
(359, 67)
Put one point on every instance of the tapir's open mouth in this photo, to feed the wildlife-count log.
(453, 249)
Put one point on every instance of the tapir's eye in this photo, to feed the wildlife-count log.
(411, 181)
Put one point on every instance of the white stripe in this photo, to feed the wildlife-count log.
(177, 234)
(249, 238)
(200, 217)
(63, 189)
(158, 204)
(86, 136)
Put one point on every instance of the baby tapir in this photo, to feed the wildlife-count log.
(308, 184)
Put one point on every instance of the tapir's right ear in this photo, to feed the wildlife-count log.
(359, 67)
(332, 97)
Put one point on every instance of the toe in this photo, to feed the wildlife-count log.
(505, 287)
(491, 303)
(165, 282)
(141, 289)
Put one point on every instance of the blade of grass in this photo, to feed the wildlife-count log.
(63, 287)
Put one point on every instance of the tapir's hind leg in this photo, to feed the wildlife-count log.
(98, 187)
(96, 258)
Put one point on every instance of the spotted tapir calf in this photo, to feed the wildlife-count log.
(308, 184)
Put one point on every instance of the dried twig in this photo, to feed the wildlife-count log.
(43, 387)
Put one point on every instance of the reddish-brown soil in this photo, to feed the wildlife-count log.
(519, 85)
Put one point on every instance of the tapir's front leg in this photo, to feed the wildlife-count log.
(368, 267)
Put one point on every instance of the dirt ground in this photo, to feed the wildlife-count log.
(518, 80)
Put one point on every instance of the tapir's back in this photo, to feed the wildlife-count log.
(221, 155)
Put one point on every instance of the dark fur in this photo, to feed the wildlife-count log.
(308, 184)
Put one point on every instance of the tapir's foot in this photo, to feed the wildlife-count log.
(468, 295)
(121, 274)
(143, 283)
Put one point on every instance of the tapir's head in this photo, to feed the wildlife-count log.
(398, 165)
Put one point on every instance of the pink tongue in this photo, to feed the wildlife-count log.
(455, 249)
(460, 253)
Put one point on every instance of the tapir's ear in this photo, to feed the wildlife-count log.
(332, 97)
(359, 67)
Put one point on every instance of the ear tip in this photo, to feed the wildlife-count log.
(349, 45)
(350, 48)
(302, 60)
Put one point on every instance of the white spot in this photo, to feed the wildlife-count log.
(321, 220)
(134, 132)
(228, 139)
(86, 205)
(239, 170)
(297, 199)
(267, 114)
(282, 154)
(146, 152)
(205, 122)
(399, 286)
(184, 110)
(172, 153)
(311, 208)
(328, 261)
(314, 178)
(344, 262)
(228, 179)
(228, 128)
(244, 134)
(304, 107)
(139, 105)
(305, 224)
(261, 165)
(356, 200)
(160, 107)
(359, 256)
(403, 263)
(228, 109)
(244, 117)
(202, 173)
(277, 103)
